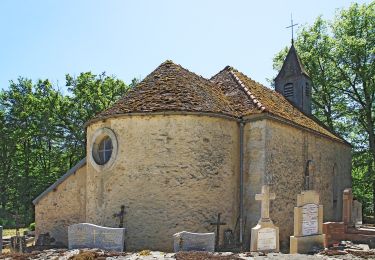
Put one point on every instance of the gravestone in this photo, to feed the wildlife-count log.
(1, 239)
(347, 204)
(265, 235)
(308, 224)
(86, 235)
(217, 223)
(187, 241)
(357, 213)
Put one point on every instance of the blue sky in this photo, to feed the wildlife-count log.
(47, 39)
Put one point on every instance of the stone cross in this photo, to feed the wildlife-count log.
(120, 215)
(217, 224)
(265, 198)
(291, 26)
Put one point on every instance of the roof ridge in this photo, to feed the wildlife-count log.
(259, 105)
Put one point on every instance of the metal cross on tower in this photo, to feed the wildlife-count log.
(217, 224)
(291, 26)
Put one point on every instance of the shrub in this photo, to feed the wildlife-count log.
(32, 227)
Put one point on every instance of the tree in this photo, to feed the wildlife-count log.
(42, 135)
(339, 57)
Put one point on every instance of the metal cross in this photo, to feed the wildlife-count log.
(265, 198)
(217, 224)
(291, 26)
(120, 215)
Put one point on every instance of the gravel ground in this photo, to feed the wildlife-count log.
(91, 254)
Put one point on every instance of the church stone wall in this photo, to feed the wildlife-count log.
(172, 172)
(287, 151)
(254, 168)
(62, 207)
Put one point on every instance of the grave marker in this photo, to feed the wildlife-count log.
(85, 235)
(357, 213)
(187, 241)
(265, 235)
(218, 223)
(308, 224)
(347, 201)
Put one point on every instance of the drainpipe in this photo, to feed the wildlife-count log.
(241, 178)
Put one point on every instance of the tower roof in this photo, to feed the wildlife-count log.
(292, 60)
(170, 87)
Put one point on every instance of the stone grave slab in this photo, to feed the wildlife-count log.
(308, 224)
(188, 241)
(265, 235)
(86, 235)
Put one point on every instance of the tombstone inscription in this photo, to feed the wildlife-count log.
(310, 219)
(86, 235)
(188, 241)
(308, 224)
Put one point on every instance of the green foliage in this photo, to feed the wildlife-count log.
(32, 226)
(339, 56)
(43, 135)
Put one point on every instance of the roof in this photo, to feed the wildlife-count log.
(59, 181)
(292, 55)
(170, 87)
(265, 100)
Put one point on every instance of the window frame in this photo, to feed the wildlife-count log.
(98, 137)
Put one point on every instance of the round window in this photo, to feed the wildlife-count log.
(103, 148)
(104, 151)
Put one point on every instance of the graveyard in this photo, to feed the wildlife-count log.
(312, 239)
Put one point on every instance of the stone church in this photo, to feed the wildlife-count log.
(178, 149)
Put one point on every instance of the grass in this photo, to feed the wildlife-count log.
(12, 232)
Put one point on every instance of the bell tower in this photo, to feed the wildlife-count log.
(294, 83)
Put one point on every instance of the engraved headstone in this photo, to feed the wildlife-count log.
(265, 235)
(86, 235)
(1, 239)
(357, 213)
(187, 241)
(310, 213)
(308, 224)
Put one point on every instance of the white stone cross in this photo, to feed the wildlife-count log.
(265, 198)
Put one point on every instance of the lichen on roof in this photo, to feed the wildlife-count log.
(273, 102)
(170, 87)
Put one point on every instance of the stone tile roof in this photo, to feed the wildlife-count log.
(170, 87)
(265, 100)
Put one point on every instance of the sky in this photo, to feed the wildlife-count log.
(129, 39)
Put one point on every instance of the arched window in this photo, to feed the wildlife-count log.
(288, 90)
